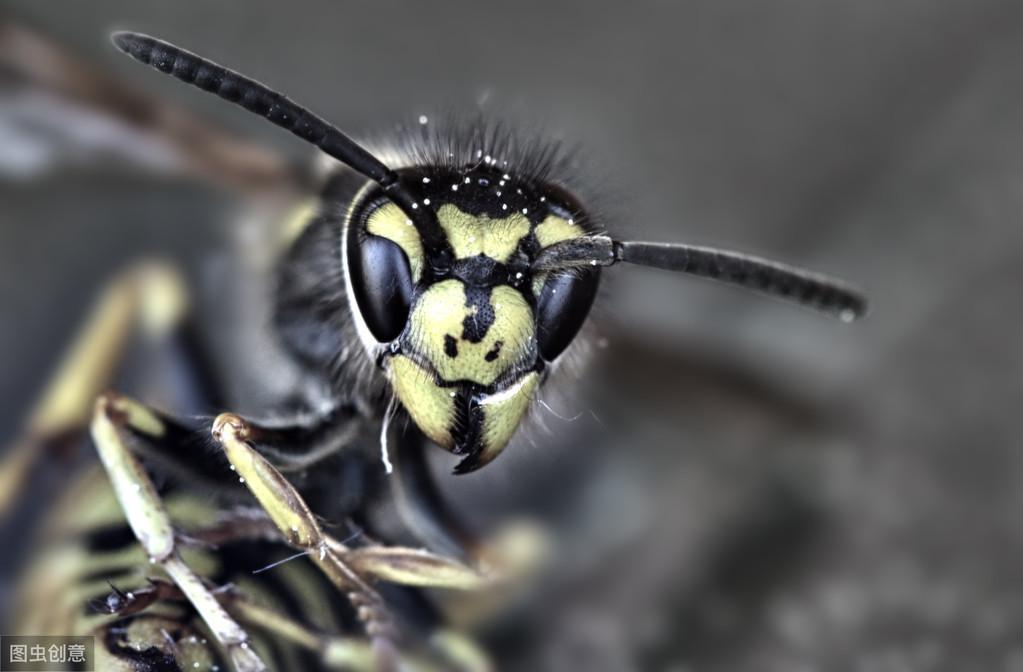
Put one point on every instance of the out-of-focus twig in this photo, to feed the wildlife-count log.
(82, 105)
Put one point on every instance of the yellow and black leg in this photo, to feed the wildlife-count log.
(122, 426)
(114, 419)
(287, 510)
(351, 570)
(332, 651)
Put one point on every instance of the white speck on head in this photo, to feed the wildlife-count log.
(232, 467)
(294, 528)
(453, 394)
(408, 222)
(498, 193)
(415, 206)
(423, 119)
(543, 199)
(467, 180)
(454, 187)
(504, 206)
(426, 201)
(518, 275)
(525, 211)
(847, 315)
(241, 479)
(518, 191)
(500, 183)
(571, 220)
(506, 175)
(479, 153)
(426, 180)
(487, 159)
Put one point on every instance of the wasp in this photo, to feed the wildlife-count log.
(435, 287)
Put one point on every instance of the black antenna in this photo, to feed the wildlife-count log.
(282, 111)
(805, 287)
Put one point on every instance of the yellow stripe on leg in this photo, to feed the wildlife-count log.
(135, 491)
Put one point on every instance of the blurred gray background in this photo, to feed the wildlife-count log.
(815, 495)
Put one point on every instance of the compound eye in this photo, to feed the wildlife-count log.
(564, 303)
(382, 282)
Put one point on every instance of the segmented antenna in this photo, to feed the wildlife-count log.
(810, 289)
(280, 110)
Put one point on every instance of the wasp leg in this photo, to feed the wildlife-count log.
(421, 505)
(334, 652)
(150, 293)
(451, 651)
(183, 446)
(510, 554)
(149, 520)
(121, 603)
(395, 564)
(300, 444)
(292, 517)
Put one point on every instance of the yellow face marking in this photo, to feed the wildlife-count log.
(554, 229)
(388, 221)
(437, 324)
(551, 230)
(502, 413)
(471, 235)
(432, 408)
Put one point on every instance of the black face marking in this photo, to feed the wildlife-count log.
(476, 325)
(468, 431)
(494, 352)
(489, 190)
(480, 270)
(450, 346)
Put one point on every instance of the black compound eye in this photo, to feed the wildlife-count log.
(564, 303)
(382, 283)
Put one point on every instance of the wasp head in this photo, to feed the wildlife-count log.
(462, 326)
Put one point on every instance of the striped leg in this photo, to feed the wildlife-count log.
(334, 652)
(348, 569)
(152, 526)
(121, 425)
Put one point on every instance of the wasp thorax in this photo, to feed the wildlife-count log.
(470, 326)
